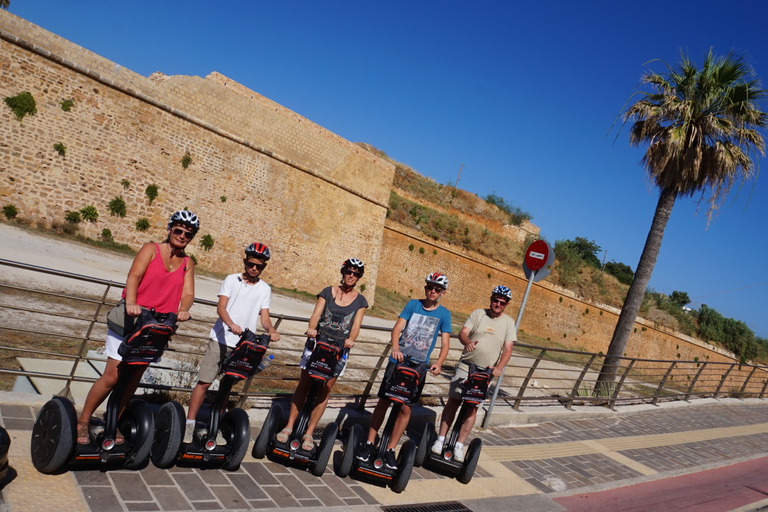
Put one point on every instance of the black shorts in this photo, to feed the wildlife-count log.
(391, 365)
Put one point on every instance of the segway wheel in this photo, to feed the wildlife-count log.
(138, 426)
(53, 435)
(326, 447)
(261, 445)
(236, 428)
(404, 466)
(348, 454)
(470, 463)
(425, 444)
(170, 422)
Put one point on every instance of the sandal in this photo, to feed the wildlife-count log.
(83, 432)
(119, 438)
(307, 443)
(284, 435)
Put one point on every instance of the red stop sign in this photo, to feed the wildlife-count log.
(536, 255)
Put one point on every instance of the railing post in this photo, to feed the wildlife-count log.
(744, 386)
(722, 380)
(762, 391)
(693, 382)
(657, 394)
(527, 379)
(84, 345)
(575, 390)
(375, 373)
(621, 381)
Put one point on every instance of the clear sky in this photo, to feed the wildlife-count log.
(523, 94)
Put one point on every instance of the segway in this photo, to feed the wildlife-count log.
(321, 367)
(54, 434)
(402, 387)
(235, 426)
(475, 391)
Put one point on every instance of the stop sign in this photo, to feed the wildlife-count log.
(537, 254)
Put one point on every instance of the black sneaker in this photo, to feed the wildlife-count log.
(390, 460)
(364, 453)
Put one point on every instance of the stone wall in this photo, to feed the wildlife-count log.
(259, 172)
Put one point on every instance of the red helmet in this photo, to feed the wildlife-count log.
(258, 250)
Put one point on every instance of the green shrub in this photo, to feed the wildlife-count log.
(206, 242)
(106, 235)
(72, 217)
(60, 148)
(66, 105)
(192, 257)
(90, 213)
(23, 104)
(117, 207)
(125, 183)
(421, 250)
(223, 199)
(142, 224)
(10, 211)
(151, 192)
(186, 160)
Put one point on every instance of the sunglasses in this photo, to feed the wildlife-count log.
(433, 288)
(259, 266)
(499, 301)
(183, 232)
(350, 272)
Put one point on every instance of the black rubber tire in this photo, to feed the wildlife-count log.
(425, 444)
(261, 445)
(170, 423)
(5, 444)
(404, 466)
(470, 462)
(236, 429)
(138, 426)
(348, 453)
(54, 435)
(325, 448)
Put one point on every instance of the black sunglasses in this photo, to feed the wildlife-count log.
(497, 300)
(259, 266)
(179, 232)
(350, 272)
(433, 288)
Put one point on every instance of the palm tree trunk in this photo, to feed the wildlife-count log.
(636, 293)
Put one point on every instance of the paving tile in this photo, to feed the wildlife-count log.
(101, 499)
(275, 468)
(297, 489)
(311, 503)
(280, 496)
(193, 487)
(364, 495)
(246, 486)
(213, 476)
(351, 502)
(206, 505)
(327, 496)
(170, 498)
(92, 478)
(130, 486)
(257, 504)
(142, 506)
(155, 476)
(260, 473)
(229, 497)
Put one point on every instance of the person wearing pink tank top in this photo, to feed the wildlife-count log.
(162, 277)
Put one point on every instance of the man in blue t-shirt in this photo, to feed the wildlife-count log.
(415, 335)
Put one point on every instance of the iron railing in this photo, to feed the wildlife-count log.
(63, 319)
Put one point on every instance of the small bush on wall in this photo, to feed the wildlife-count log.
(106, 235)
(125, 183)
(10, 211)
(23, 104)
(66, 105)
(142, 224)
(90, 213)
(186, 160)
(72, 217)
(60, 148)
(117, 207)
(206, 242)
(151, 192)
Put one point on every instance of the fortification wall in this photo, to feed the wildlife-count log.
(258, 171)
(551, 312)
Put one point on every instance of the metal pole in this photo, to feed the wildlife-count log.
(487, 418)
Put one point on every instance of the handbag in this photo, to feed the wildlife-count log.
(118, 321)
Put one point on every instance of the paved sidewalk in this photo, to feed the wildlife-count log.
(522, 467)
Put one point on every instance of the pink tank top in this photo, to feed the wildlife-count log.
(160, 289)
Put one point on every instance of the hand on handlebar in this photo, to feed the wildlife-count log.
(496, 371)
(396, 354)
(274, 336)
(236, 329)
(349, 343)
(311, 333)
(132, 309)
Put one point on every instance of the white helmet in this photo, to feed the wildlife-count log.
(438, 279)
(185, 218)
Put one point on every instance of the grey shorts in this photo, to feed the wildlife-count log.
(456, 388)
(210, 366)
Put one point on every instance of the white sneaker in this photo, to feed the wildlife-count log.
(189, 433)
(220, 441)
(458, 453)
(437, 448)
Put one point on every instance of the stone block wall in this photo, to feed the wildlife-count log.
(259, 172)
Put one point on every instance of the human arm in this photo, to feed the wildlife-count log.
(396, 331)
(266, 323)
(506, 353)
(355, 330)
(315, 318)
(187, 292)
(221, 309)
(135, 274)
(469, 345)
(445, 345)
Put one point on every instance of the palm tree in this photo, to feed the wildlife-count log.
(5, 4)
(700, 125)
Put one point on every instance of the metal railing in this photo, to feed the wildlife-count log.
(48, 316)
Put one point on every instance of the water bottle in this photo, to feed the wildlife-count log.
(265, 362)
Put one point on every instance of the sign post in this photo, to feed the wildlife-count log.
(537, 264)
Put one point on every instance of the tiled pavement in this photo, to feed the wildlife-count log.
(538, 459)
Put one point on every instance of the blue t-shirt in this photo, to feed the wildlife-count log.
(421, 329)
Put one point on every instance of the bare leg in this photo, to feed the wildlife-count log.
(100, 389)
(377, 418)
(400, 424)
(299, 396)
(196, 399)
(449, 413)
(321, 402)
(466, 427)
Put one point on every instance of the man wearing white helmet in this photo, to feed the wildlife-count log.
(415, 335)
(487, 336)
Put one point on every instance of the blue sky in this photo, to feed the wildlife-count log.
(523, 95)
